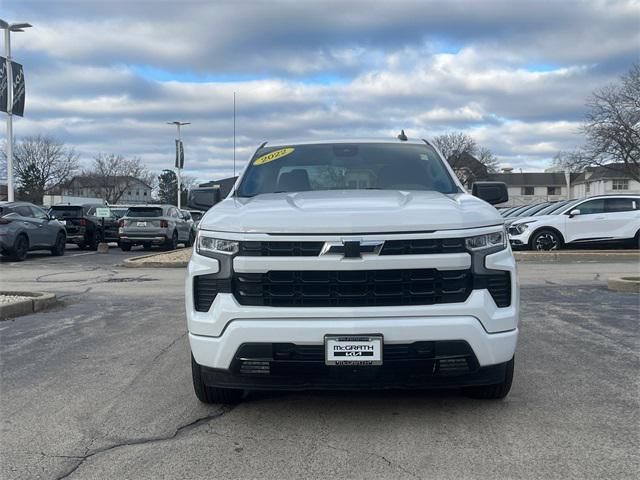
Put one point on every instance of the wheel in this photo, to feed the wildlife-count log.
(493, 392)
(147, 246)
(212, 394)
(94, 240)
(545, 240)
(189, 242)
(125, 247)
(59, 246)
(20, 248)
(173, 243)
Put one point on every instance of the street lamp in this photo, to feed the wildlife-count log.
(8, 28)
(178, 152)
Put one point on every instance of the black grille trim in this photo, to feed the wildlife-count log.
(280, 249)
(313, 249)
(352, 288)
(205, 290)
(499, 286)
(423, 246)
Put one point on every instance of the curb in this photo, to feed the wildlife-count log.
(624, 284)
(577, 256)
(133, 262)
(38, 301)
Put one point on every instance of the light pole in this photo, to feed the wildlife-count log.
(8, 28)
(178, 153)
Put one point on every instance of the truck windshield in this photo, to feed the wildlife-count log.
(341, 166)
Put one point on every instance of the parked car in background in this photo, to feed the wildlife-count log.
(605, 218)
(25, 227)
(119, 210)
(161, 225)
(196, 215)
(83, 227)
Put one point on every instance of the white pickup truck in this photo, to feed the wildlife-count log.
(352, 264)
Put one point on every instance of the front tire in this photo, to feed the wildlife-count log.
(189, 242)
(20, 248)
(172, 243)
(493, 392)
(545, 240)
(125, 247)
(59, 246)
(212, 394)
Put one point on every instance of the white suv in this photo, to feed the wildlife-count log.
(352, 265)
(605, 218)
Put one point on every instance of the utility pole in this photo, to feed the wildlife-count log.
(8, 28)
(179, 155)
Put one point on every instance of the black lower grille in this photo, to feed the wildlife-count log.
(356, 288)
(205, 289)
(499, 286)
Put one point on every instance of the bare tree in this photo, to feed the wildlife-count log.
(41, 165)
(454, 145)
(612, 126)
(114, 174)
(488, 159)
(574, 161)
(468, 160)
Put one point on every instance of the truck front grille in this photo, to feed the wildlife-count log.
(359, 288)
(391, 247)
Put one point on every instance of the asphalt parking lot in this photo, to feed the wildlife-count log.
(100, 387)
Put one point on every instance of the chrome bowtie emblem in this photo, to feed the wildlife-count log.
(352, 248)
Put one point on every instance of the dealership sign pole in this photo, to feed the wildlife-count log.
(179, 155)
(12, 93)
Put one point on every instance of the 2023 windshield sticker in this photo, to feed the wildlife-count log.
(271, 156)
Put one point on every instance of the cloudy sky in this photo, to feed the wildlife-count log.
(105, 76)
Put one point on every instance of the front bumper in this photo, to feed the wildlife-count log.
(413, 374)
(519, 239)
(218, 334)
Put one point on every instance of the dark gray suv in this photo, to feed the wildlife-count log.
(25, 227)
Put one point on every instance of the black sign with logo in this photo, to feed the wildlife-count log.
(4, 85)
(18, 89)
(179, 154)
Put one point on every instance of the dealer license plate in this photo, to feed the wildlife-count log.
(141, 224)
(353, 349)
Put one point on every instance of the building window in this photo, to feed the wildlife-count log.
(620, 184)
(137, 193)
(553, 190)
(527, 190)
(587, 188)
(129, 193)
(145, 194)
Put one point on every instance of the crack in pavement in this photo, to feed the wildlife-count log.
(181, 430)
(168, 347)
(376, 455)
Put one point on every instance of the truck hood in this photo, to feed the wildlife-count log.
(349, 211)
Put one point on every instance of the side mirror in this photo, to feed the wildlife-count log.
(574, 212)
(203, 198)
(491, 192)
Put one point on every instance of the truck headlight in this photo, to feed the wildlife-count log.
(488, 240)
(208, 246)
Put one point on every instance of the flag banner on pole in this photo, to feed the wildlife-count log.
(18, 89)
(4, 85)
(179, 154)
